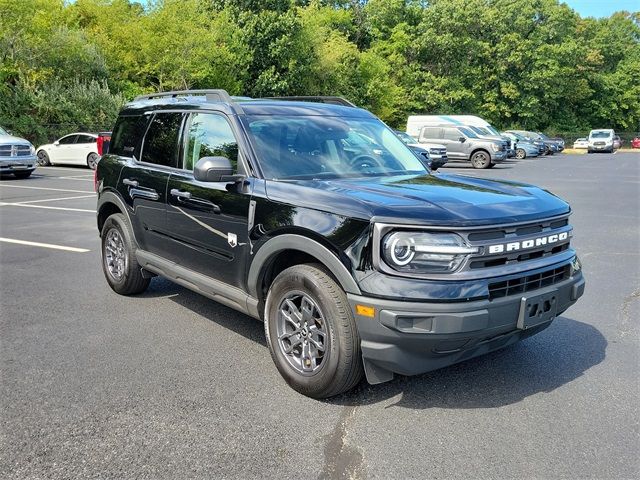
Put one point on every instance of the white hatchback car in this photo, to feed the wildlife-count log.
(74, 149)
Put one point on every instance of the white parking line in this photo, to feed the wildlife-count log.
(45, 188)
(81, 179)
(77, 170)
(6, 204)
(56, 199)
(44, 245)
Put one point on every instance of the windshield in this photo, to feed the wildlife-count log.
(600, 134)
(405, 137)
(3, 131)
(469, 133)
(542, 136)
(492, 130)
(308, 147)
(480, 130)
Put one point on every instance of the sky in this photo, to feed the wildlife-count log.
(602, 8)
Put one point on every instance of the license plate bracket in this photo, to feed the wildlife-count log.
(537, 309)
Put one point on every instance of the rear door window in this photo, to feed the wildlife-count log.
(127, 136)
(68, 140)
(431, 133)
(161, 140)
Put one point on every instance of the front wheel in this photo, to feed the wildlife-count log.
(119, 263)
(92, 160)
(480, 160)
(43, 159)
(311, 332)
(521, 154)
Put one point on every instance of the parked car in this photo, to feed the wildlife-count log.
(74, 149)
(635, 143)
(360, 264)
(617, 142)
(463, 144)
(550, 146)
(520, 136)
(436, 153)
(481, 127)
(601, 140)
(581, 143)
(523, 146)
(17, 155)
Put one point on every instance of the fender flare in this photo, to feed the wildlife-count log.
(111, 197)
(304, 244)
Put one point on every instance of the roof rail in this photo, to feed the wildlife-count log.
(333, 100)
(218, 95)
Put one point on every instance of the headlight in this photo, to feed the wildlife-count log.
(434, 151)
(495, 147)
(32, 150)
(424, 252)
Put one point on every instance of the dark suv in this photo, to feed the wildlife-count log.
(319, 221)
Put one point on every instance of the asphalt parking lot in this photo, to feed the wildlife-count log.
(172, 385)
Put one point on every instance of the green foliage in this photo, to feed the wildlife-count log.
(518, 63)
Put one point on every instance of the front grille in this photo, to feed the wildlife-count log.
(438, 151)
(15, 150)
(599, 143)
(523, 237)
(23, 150)
(528, 283)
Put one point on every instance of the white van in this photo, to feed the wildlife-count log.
(601, 140)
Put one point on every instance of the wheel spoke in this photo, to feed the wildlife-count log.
(289, 341)
(307, 359)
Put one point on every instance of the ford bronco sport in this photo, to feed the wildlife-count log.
(358, 260)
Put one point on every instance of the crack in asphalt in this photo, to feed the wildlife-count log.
(624, 311)
(341, 460)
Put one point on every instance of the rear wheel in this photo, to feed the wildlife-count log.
(43, 159)
(311, 332)
(521, 154)
(92, 160)
(480, 159)
(119, 263)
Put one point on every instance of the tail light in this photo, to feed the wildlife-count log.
(99, 144)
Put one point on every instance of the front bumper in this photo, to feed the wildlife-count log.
(410, 338)
(25, 163)
(498, 156)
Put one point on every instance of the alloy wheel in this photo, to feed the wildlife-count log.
(302, 332)
(115, 257)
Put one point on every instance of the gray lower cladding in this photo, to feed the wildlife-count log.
(219, 291)
(410, 338)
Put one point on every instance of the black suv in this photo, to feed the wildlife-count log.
(318, 220)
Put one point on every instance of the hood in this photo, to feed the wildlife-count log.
(455, 200)
(10, 139)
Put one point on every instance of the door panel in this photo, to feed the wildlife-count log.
(208, 221)
(63, 151)
(451, 138)
(143, 184)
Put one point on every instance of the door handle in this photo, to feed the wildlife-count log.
(180, 194)
(131, 183)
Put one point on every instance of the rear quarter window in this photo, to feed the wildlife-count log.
(127, 135)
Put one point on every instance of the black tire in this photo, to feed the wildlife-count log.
(131, 281)
(23, 174)
(92, 160)
(43, 159)
(480, 159)
(491, 165)
(521, 154)
(341, 365)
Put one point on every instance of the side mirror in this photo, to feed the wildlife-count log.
(56, 143)
(462, 139)
(214, 169)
